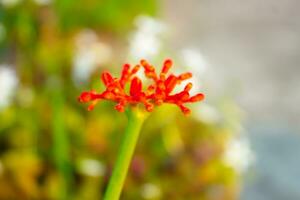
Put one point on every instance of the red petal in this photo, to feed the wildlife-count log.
(125, 74)
(120, 107)
(182, 96)
(126, 68)
(135, 69)
(197, 97)
(167, 65)
(92, 105)
(184, 109)
(188, 87)
(147, 66)
(149, 107)
(85, 97)
(170, 83)
(136, 86)
(107, 78)
(88, 96)
(185, 76)
(144, 63)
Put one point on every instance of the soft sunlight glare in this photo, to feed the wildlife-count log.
(194, 60)
(145, 42)
(150, 191)
(238, 154)
(91, 167)
(90, 53)
(10, 3)
(8, 85)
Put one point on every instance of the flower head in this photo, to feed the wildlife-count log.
(157, 93)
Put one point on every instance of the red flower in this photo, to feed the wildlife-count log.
(157, 93)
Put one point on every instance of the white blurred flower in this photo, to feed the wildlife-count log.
(194, 60)
(8, 85)
(2, 32)
(145, 42)
(90, 52)
(207, 113)
(238, 154)
(91, 167)
(10, 3)
(43, 2)
(150, 191)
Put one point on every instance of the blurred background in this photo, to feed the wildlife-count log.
(240, 143)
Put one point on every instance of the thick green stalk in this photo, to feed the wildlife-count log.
(128, 143)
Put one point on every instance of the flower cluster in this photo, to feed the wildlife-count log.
(155, 94)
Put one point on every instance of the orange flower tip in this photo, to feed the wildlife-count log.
(125, 70)
(120, 107)
(170, 83)
(135, 69)
(85, 97)
(126, 66)
(167, 65)
(149, 107)
(148, 67)
(136, 86)
(185, 110)
(197, 97)
(107, 78)
(150, 71)
(185, 76)
(143, 62)
(188, 87)
(91, 107)
(159, 102)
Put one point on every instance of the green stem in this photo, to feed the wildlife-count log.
(128, 143)
(60, 144)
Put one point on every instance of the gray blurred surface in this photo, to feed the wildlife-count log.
(256, 43)
(276, 175)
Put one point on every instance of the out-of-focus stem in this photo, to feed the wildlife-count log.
(60, 143)
(128, 143)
